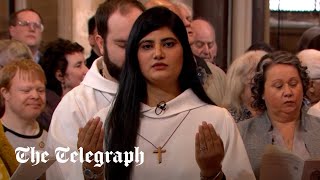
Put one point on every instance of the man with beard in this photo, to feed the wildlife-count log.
(114, 21)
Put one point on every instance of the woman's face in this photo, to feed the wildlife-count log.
(76, 69)
(160, 57)
(283, 90)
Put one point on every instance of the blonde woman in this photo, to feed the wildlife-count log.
(238, 96)
(13, 49)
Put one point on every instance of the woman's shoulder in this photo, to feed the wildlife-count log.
(252, 125)
(312, 121)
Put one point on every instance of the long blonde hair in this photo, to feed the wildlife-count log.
(237, 75)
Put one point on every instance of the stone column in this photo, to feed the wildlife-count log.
(241, 26)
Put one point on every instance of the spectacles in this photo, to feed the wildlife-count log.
(33, 25)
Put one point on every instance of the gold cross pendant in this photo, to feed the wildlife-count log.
(159, 151)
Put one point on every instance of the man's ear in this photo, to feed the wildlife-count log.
(100, 42)
(12, 31)
(5, 93)
(59, 76)
(311, 88)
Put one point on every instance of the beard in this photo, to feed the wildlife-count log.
(113, 69)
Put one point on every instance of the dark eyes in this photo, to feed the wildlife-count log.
(146, 46)
(150, 45)
(169, 44)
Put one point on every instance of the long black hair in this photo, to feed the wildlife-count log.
(123, 122)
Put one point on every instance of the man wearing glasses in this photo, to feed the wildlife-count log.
(26, 26)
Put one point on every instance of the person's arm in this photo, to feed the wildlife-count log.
(209, 152)
(90, 138)
(7, 154)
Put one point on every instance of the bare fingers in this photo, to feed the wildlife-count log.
(217, 141)
(90, 137)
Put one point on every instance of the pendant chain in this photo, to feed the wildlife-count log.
(170, 135)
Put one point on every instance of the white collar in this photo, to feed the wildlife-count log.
(95, 80)
(185, 101)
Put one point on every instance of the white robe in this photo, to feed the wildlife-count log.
(178, 162)
(75, 109)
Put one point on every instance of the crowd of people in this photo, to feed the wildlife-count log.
(153, 83)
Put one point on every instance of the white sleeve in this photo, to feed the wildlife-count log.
(236, 161)
(63, 132)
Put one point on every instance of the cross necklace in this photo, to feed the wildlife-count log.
(159, 150)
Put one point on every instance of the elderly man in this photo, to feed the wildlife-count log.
(311, 59)
(204, 40)
(26, 26)
(205, 48)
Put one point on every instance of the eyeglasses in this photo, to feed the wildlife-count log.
(33, 25)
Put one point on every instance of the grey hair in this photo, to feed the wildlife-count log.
(237, 74)
(13, 50)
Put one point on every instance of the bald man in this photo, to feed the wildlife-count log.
(204, 40)
(311, 59)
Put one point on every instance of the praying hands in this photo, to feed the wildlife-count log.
(209, 152)
(90, 138)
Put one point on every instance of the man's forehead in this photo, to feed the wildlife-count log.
(121, 24)
(203, 35)
(202, 29)
(129, 16)
(28, 15)
(22, 79)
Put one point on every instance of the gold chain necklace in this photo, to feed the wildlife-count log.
(159, 150)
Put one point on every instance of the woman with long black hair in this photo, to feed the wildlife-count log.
(162, 108)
